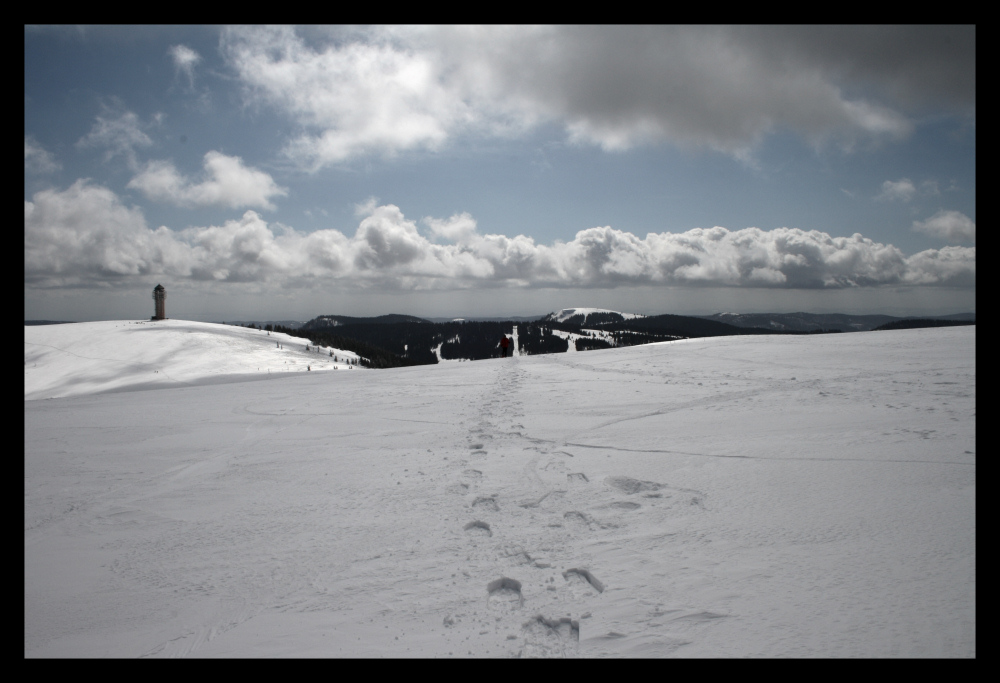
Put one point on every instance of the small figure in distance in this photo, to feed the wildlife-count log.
(504, 343)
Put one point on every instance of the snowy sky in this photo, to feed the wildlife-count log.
(279, 173)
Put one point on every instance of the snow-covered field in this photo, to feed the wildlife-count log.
(758, 496)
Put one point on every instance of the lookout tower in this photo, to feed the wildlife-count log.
(160, 297)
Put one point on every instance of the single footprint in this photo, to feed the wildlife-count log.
(580, 574)
(478, 528)
(504, 593)
(486, 503)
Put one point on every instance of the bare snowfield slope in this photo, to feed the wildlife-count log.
(763, 496)
(123, 355)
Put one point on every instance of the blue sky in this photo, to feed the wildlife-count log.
(284, 172)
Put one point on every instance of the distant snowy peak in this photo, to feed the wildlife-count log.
(590, 316)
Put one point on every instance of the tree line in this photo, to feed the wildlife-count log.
(370, 355)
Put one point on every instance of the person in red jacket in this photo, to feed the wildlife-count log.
(504, 343)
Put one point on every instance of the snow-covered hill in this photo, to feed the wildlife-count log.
(765, 496)
(589, 316)
(117, 355)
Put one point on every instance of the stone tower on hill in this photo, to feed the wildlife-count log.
(160, 297)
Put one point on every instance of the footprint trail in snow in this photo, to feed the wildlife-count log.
(706, 498)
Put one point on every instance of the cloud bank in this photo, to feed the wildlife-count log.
(385, 90)
(86, 236)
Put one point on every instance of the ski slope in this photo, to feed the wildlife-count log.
(764, 496)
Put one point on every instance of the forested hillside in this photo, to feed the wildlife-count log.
(398, 340)
(373, 355)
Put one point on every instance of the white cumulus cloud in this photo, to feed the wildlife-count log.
(897, 190)
(955, 266)
(459, 228)
(352, 99)
(226, 182)
(951, 226)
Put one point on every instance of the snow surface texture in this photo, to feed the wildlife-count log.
(117, 355)
(754, 496)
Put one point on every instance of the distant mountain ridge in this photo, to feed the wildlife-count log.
(487, 318)
(324, 322)
(809, 322)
